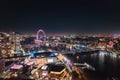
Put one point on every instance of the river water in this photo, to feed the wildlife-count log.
(106, 64)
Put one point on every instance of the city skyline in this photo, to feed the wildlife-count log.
(60, 16)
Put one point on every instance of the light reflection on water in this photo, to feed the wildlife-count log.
(105, 63)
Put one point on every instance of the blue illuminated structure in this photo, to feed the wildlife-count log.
(45, 54)
(32, 55)
(52, 54)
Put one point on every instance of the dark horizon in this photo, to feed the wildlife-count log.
(60, 16)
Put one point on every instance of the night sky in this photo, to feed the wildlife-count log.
(56, 16)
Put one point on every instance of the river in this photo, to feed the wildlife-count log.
(106, 64)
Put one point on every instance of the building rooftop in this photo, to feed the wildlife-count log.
(55, 67)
